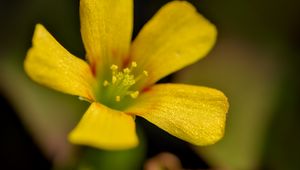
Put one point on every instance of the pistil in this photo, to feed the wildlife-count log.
(120, 88)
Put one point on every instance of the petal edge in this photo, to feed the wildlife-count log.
(106, 28)
(105, 128)
(175, 37)
(49, 63)
(193, 113)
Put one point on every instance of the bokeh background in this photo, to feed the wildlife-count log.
(255, 63)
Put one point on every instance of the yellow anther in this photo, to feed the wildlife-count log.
(121, 84)
(133, 64)
(146, 73)
(114, 67)
(118, 98)
(105, 83)
(114, 79)
(128, 80)
(126, 70)
(134, 94)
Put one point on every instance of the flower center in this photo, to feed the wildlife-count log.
(119, 90)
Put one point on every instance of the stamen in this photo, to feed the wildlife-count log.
(135, 94)
(146, 73)
(105, 83)
(126, 70)
(121, 83)
(114, 79)
(114, 67)
(118, 98)
(133, 64)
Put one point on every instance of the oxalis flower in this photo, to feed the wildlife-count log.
(118, 77)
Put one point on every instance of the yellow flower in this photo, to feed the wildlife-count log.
(118, 77)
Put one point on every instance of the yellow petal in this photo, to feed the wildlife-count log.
(106, 28)
(48, 63)
(174, 38)
(192, 113)
(105, 128)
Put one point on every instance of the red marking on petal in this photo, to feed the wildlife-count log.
(93, 68)
(126, 62)
(146, 89)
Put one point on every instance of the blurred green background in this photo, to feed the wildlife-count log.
(255, 63)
